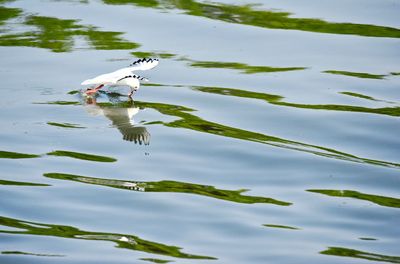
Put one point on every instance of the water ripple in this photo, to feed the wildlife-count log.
(18, 183)
(57, 34)
(64, 125)
(81, 156)
(122, 240)
(247, 15)
(30, 254)
(16, 155)
(376, 199)
(170, 186)
(276, 100)
(352, 253)
(193, 122)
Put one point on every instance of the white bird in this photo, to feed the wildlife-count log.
(122, 76)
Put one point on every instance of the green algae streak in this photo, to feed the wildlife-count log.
(17, 183)
(8, 13)
(244, 68)
(141, 3)
(352, 253)
(30, 254)
(124, 241)
(61, 103)
(16, 155)
(358, 74)
(81, 156)
(143, 54)
(64, 125)
(281, 226)
(170, 186)
(367, 238)
(156, 260)
(376, 199)
(360, 96)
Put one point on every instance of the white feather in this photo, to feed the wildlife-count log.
(143, 64)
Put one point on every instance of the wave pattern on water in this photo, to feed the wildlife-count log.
(192, 122)
(60, 153)
(247, 15)
(352, 253)
(276, 100)
(30, 254)
(64, 125)
(376, 199)
(363, 96)
(170, 186)
(16, 155)
(122, 240)
(244, 68)
(18, 183)
(57, 34)
(81, 156)
(356, 58)
(281, 226)
(7, 13)
(156, 260)
(357, 74)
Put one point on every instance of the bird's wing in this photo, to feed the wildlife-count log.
(113, 77)
(140, 78)
(108, 78)
(143, 64)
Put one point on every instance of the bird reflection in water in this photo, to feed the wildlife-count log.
(121, 115)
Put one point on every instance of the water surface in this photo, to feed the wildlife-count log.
(267, 134)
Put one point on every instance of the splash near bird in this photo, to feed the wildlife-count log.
(121, 77)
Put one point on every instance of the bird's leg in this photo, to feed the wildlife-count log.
(91, 100)
(93, 90)
(133, 90)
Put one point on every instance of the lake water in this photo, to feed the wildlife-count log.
(268, 133)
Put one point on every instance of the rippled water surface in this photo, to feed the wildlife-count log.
(268, 133)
